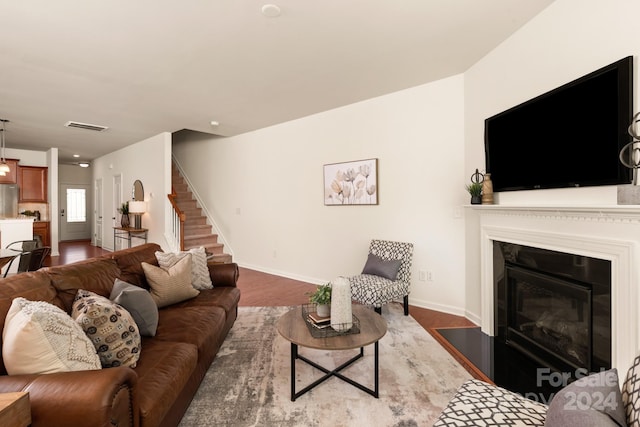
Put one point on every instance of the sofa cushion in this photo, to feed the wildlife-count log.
(225, 297)
(129, 262)
(199, 271)
(40, 338)
(110, 328)
(172, 285)
(163, 371)
(200, 326)
(384, 268)
(95, 275)
(592, 401)
(139, 303)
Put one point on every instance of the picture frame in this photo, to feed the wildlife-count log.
(351, 183)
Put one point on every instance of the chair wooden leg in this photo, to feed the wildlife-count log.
(378, 310)
(406, 305)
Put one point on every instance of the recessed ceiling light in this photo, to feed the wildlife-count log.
(83, 164)
(214, 123)
(271, 10)
(76, 155)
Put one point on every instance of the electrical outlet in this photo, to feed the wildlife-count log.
(429, 276)
(422, 275)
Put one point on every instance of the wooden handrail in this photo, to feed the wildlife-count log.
(181, 215)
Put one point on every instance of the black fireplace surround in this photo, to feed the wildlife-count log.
(553, 307)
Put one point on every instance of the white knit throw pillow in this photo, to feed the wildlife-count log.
(40, 338)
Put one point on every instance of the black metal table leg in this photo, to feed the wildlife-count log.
(335, 372)
(294, 356)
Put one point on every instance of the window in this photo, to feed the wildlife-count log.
(76, 205)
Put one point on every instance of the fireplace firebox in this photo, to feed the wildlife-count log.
(553, 307)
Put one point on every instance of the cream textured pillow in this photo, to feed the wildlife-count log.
(110, 328)
(172, 285)
(40, 338)
(200, 278)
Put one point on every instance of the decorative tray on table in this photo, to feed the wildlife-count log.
(320, 327)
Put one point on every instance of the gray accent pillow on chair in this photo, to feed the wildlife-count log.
(590, 401)
(383, 268)
(139, 303)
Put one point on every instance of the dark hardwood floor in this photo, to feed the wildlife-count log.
(262, 289)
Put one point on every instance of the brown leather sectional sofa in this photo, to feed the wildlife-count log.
(172, 364)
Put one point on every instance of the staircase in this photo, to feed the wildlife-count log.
(196, 230)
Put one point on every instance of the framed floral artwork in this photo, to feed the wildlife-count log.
(351, 183)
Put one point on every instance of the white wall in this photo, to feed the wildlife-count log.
(567, 40)
(73, 174)
(27, 157)
(265, 189)
(150, 162)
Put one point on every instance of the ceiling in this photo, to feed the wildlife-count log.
(148, 66)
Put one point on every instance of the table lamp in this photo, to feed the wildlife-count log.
(137, 208)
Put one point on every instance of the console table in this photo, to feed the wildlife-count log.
(128, 233)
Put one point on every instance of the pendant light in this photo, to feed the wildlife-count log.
(4, 167)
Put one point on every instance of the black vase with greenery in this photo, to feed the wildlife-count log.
(475, 190)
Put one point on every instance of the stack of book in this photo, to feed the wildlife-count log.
(319, 321)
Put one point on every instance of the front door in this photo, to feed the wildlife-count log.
(74, 221)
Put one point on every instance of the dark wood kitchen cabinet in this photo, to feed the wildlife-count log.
(41, 228)
(32, 181)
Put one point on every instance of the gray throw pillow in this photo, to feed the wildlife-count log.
(590, 401)
(139, 303)
(383, 268)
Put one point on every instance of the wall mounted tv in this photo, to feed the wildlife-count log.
(568, 137)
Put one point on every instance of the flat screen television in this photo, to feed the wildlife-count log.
(568, 137)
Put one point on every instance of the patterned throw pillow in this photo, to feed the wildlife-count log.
(172, 285)
(139, 303)
(110, 328)
(631, 394)
(40, 338)
(477, 403)
(200, 278)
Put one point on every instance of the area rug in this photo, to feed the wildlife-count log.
(248, 383)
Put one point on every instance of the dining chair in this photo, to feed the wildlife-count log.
(27, 249)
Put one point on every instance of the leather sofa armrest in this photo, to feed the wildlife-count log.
(224, 274)
(100, 398)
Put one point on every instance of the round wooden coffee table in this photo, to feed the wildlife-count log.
(293, 328)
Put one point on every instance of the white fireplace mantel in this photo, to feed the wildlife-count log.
(606, 232)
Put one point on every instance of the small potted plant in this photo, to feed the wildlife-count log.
(475, 189)
(322, 298)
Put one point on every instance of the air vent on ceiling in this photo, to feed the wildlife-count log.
(86, 126)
